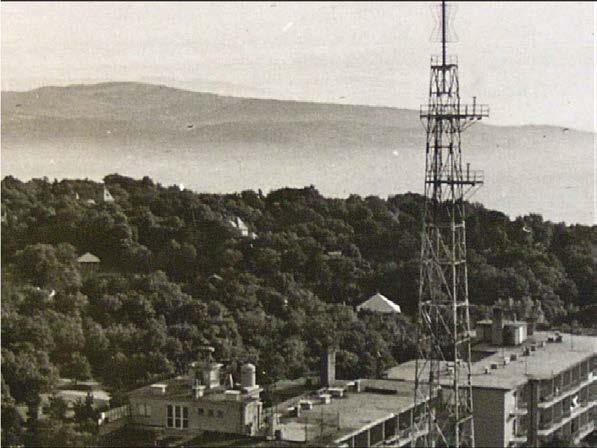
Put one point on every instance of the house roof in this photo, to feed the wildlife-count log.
(380, 304)
(88, 257)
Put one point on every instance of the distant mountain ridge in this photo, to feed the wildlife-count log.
(216, 143)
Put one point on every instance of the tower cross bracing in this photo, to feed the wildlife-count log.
(444, 353)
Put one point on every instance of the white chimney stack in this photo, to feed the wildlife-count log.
(198, 390)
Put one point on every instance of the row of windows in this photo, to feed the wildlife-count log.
(210, 413)
(178, 416)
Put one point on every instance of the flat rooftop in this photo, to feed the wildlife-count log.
(544, 363)
(355, 411)
(180, 389)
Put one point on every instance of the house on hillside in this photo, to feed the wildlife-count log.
(92, 195)
(88, 263)
(240, 225)
(107, 195)
(379, 303)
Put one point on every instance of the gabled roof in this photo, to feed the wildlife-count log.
(88, 258)
(108, 196)
(380, 304)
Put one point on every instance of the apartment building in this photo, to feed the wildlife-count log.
(528, 389)
(199, 402)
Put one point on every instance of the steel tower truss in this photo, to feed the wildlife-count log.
(443, 317)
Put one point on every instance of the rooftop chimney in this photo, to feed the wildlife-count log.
(531, 324)
(497, 326)
(498, 314)
(328, 367)
(247, 375)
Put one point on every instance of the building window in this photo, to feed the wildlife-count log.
(144, 410)
(178, 417)
(210, 413)
(200, 411)
(220, 414)
(170, 420)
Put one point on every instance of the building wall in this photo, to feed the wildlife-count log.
(484, 331)
(514, 334)
(221, 416)
(489, 417)
(509, 417)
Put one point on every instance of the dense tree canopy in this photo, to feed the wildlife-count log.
(177, 273)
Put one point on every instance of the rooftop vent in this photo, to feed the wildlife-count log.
(551, 339)
(494, 365)
(358, 387)
(325, 398)
(559, 338)
(533, 347)
(158, 389)
(336, 392)
(306, 404)
(542, 344)
(513, 357)
(506, 360)
(486, 370)
(232, 395)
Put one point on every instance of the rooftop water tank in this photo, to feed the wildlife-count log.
(247, 375)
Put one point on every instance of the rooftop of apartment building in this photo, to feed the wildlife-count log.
(541, 356)
(362, 404)
(193, 387)
(180, 389)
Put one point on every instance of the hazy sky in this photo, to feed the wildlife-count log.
(532, 62)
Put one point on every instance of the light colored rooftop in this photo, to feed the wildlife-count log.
(380, 304)
(180, 389)
(507, 322)
(356, 410)
(88, 257)
(543, 363)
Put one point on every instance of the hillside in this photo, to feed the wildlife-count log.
(177, 272)
(223, 144)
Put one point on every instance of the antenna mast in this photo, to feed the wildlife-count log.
(444, 353)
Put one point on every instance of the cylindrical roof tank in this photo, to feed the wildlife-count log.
(247, 375)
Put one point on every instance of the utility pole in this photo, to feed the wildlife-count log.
(444, 353)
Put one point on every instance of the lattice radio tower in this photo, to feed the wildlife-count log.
(443, 318)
